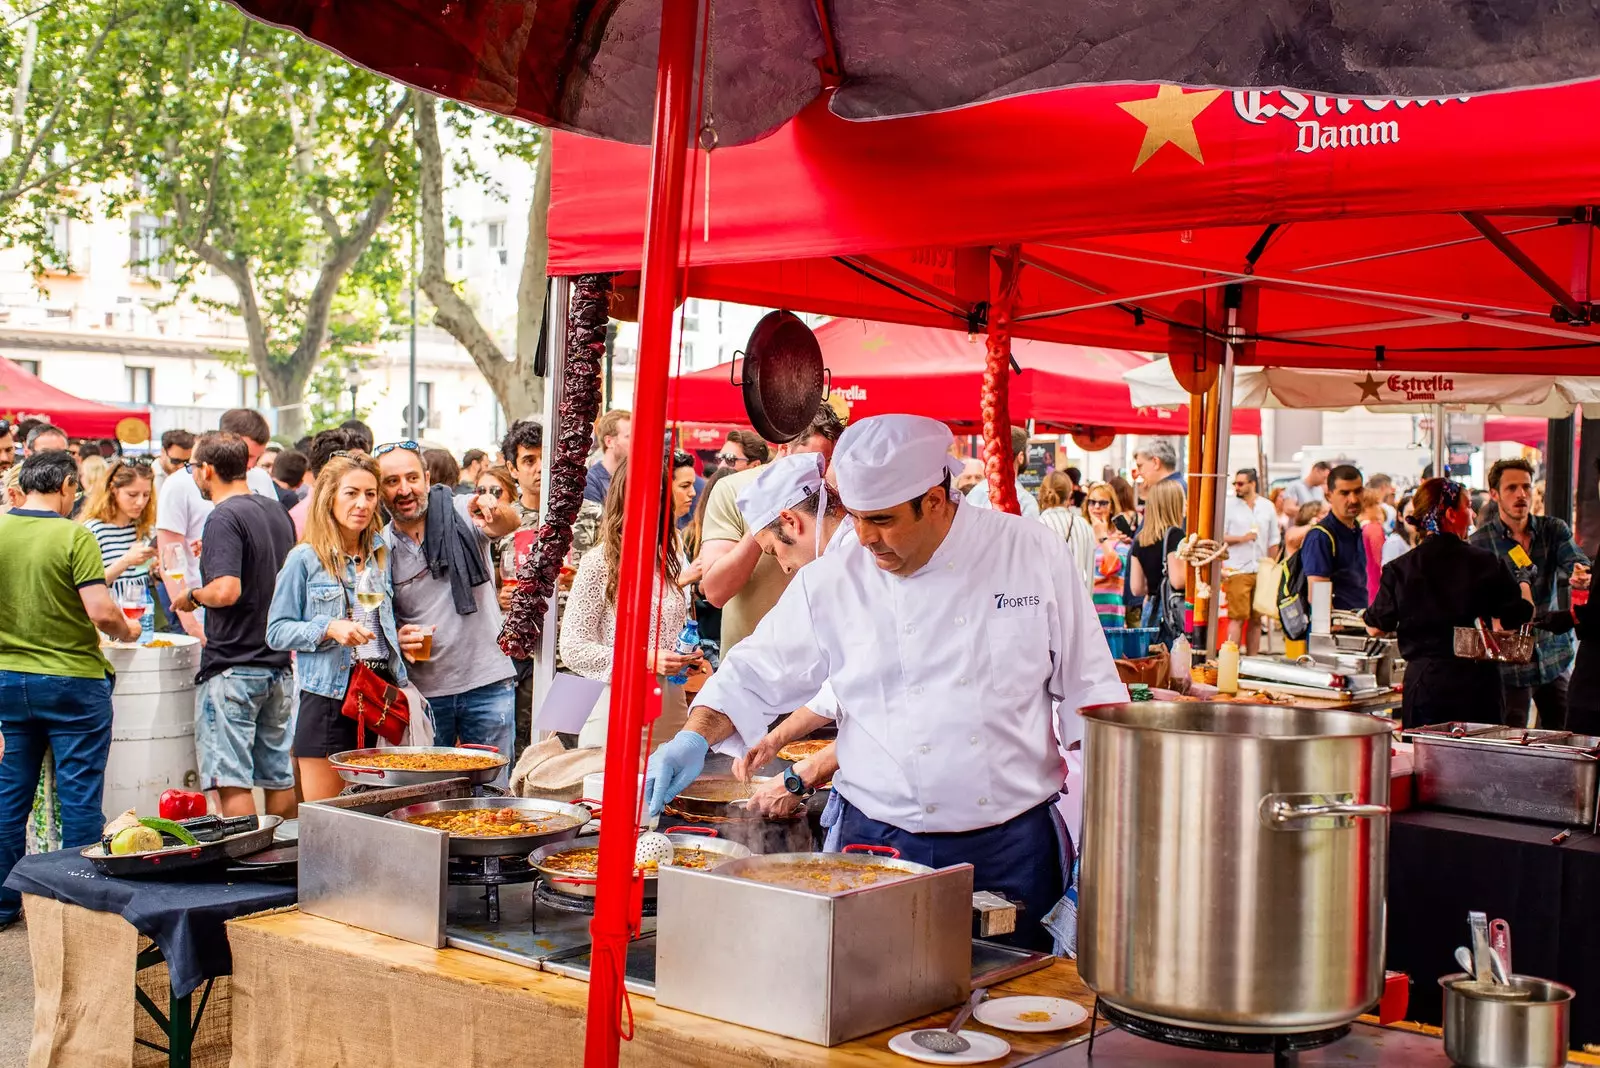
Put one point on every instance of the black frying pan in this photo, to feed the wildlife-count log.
(784, 380)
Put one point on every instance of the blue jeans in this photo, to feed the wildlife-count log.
(72, 717)
(484, 716)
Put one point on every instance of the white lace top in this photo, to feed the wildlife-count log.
(589, 626)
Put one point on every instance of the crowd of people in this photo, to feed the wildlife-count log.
(310, 573)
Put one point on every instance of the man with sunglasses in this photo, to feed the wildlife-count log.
(176, 448)
(1248, 530)
(443, 578)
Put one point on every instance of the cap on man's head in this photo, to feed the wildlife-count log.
(779, 487)
(885, 460)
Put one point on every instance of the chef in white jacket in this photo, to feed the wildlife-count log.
(960, 647)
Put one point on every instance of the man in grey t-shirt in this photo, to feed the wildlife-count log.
(469, 683)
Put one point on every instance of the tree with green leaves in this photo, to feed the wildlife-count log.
(516, 386)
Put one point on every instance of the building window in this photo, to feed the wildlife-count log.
(30, 366)
(61, 241)
(458, 239)
(140, 380)
(149, 253)
(497, 242)
(691, 315)
(427, 418)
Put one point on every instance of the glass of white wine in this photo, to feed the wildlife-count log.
(174, 562)
(369, 588)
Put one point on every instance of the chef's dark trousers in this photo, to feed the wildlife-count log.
(1025, 859)
(1550, 697)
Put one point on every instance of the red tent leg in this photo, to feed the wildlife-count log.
(612, 924)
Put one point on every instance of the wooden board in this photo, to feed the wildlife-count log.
(295, 977)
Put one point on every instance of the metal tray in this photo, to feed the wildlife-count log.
(500, 845)
(178, 859)
(1491, 770)
(365, 776)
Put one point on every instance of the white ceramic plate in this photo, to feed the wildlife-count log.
(1008, 1013)
(984, 1048)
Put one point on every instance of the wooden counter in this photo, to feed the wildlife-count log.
(315, 994)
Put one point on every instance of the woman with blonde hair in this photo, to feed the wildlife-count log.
(1155, 569)
(1110, 554)
(589, 628)
(316, 613)
(121, 514)
(1057, 512)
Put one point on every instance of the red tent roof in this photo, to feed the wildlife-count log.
(23, 396)
(1523, 431)
(1354, 219)
(886, 367)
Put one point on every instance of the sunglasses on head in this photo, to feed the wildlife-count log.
(496, 491)
(383, 450)
(138, 464)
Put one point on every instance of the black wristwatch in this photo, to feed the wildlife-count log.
(796, 785)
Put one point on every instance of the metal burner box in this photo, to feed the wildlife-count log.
(823, 968)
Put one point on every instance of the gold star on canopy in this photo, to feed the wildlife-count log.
(873, 343)
(1169, 118)
(1369, 390)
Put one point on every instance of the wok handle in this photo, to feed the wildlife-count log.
(590, 803)
(882, 851)
(476, 745)
(1311, 812)
(707, 831)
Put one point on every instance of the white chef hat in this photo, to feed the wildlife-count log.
(780, 486)
(885, 460)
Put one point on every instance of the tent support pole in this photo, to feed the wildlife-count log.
(1441, 442)
(616, 911)
(1206, 608)
(1223, 424)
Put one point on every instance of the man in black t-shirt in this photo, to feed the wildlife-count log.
(242, 697)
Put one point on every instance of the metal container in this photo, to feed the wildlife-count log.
(501, 845)
(1495, 1033)
(1511, 647)
(852, 963)
(369, 776)
(584, 885)
(1234, 863)
(1545, 776)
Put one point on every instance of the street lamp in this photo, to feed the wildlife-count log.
(353, 379)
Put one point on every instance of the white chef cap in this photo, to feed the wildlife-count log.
(779, 487)
(885, 460)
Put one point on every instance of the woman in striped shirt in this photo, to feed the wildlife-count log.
(121, 514)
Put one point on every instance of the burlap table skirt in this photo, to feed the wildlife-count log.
(84, 1013)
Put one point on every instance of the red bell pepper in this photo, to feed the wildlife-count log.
(182, 805)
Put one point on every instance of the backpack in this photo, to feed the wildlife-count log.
(1294, 604)
(1170, 602)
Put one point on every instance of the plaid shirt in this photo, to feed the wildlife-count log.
(1554, 553)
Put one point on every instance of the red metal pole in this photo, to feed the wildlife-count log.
(615, 917)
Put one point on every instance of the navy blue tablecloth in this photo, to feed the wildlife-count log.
(185, 919)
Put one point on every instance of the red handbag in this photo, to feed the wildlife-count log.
(373, 702)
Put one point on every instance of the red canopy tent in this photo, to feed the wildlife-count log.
(1523, 431)
(24, 396)
(891, 367)
(1438, 234)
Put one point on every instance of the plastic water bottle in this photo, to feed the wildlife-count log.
(687, 645)
(147, 621)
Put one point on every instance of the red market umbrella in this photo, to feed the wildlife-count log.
(590, 67)
(1414, 235)
(890, 367)
(1529, 432)
(24, 396)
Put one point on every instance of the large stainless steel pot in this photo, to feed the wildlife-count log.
(1234, 863)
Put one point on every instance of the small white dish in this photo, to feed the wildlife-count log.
(1009, 1014)
(985, 1047)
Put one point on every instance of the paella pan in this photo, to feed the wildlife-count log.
(856, 868)
(413, 765)
(497, 826)
(572, 865)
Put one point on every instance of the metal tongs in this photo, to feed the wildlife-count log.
(1490, 646)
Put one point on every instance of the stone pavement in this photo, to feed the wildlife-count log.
(16, 997)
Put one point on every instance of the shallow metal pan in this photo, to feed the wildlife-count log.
(366, 776)
(584, 886)
(502, 845)
(177, 859)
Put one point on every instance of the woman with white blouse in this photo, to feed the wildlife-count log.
(1056, 511)
(589, 625)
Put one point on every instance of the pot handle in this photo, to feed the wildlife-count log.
(1316, 812)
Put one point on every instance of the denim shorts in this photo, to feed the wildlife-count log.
(241, 729)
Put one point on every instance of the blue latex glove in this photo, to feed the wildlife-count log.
(672, 768)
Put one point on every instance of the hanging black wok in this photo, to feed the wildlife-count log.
(784, 380)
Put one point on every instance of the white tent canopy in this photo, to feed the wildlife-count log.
(1154, 386)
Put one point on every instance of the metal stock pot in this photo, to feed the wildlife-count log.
(1234, 863)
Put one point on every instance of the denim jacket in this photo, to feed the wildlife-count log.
(306, 601)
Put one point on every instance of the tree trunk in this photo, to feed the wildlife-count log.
(518, 389)
(288, 390)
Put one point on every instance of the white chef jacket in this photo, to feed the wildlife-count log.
(1246, 556)
(953, 683)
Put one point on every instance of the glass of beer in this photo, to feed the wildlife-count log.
(426, 652)
(174, 562)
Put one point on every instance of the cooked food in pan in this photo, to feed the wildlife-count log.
(494, 822)
(823, 876)
(798, 751)
(585, 860)
(719, 790)
(425, 761)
